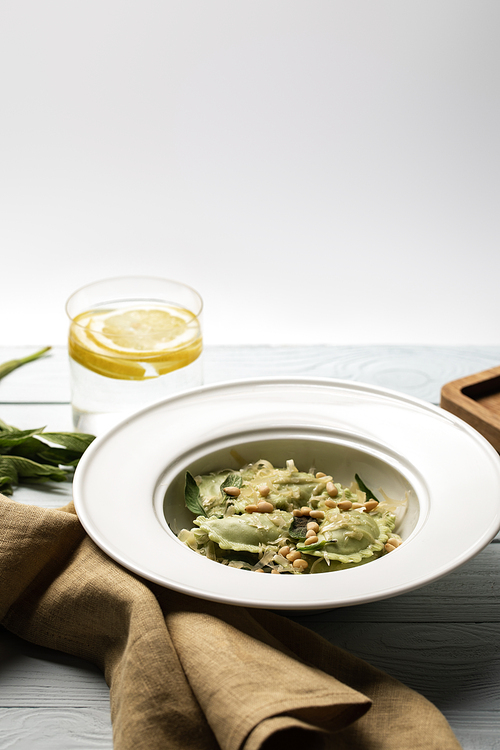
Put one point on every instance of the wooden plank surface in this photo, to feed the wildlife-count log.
(443, 640)
(417, 371)
(27, 669)
(50, 728)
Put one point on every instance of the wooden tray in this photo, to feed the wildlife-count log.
(476, 400)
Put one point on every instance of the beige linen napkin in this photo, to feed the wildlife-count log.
(194, 675)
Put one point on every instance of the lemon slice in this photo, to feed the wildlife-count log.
(135, 343)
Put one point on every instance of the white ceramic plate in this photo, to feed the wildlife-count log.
(128, 486)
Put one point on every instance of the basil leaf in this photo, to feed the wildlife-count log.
(74, 441)
(13, 437)
(29, 448)
(298, 529)
(232, 480)
(28, 456)
(12, 364)
(8, 475)
(29, 471)
(33, 471)
(192, 496)
(362, 486)
(59, 456)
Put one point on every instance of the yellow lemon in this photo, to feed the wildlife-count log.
(135, 343)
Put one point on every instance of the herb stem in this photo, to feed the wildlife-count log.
(12, 364)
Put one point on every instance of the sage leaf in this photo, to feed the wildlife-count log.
(12, 364)
(192, 496)
(362, 486)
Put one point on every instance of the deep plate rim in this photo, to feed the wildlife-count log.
(176, 404)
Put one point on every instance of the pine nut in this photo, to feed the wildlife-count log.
(251, 509)
(320, 474)
(264, 490)
(389, 547)
(300, 564)
(330, 503)
(275, 570)
(297, 513)
(344, 505)
(310, 532)
(311, 540)
(305, 510)
(331, 489)
(259, 570)
(265, 507)
(292, 556)
(370, 505)
(312, 526)
(284, 551)
(233, 491)
(355, 506)
(317, 514)
(394, 542)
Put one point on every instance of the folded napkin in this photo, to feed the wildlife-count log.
(186, 674)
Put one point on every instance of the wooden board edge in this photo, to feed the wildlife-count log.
(474, 413)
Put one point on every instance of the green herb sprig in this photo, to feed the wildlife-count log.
(12, 364)
(192, 496)
(232, 480)
(362, 486)
(34, 456)
(298, 528)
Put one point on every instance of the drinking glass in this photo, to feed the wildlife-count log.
(132, 341)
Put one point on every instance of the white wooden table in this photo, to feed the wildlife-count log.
(443, 640)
